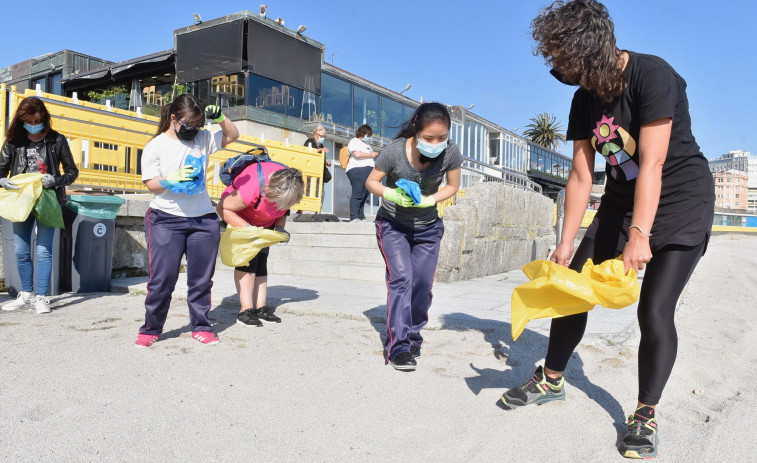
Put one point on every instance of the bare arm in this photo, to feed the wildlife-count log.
(654, 139)
(453, 184)
(364, 155)
(154, 185)
(373, 184)
(228, 207)
(577, 194)
(230, 132)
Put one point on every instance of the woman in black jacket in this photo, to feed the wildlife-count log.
(31, 145)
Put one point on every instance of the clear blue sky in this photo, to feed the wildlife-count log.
(460, 52)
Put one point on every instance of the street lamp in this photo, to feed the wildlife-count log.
(198, 18)
(301, 29)
(407, 87)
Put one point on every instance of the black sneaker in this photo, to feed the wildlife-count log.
(265, 313)
(249, 318)
(640, 440)
(415, 351)
(404, 362)
(536, 391)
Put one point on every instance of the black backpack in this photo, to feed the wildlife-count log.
(234, 166)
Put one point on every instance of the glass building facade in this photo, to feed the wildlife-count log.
(549, 163)
(350, 105)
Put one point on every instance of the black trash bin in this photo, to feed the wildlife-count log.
(10, 268)
(87, 244)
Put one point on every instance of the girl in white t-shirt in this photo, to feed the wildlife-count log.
(177, 222)
(359, 167)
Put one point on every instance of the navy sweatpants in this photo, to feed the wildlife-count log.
(169, 237)
(411, 255)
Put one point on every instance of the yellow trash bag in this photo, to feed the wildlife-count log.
(557, 291)
(240, 245)
(16, 205)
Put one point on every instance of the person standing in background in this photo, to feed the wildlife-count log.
(316, 142)
(31, 145)
(360, 165)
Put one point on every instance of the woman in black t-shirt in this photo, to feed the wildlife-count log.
(32, 146)
(657, 208)
(316, 142)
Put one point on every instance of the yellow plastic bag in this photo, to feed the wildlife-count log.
(240, 245)
(16, 205)
(557, 291)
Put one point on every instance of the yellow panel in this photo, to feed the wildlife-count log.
(85, 124)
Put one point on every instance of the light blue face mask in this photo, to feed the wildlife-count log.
(321, 140)
(431, 150)
(34, 129)
(367, 139)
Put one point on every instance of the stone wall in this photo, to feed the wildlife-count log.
(494, 228)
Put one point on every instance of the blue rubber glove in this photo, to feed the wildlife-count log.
(426, 201)
(183, 174)
(398, 196)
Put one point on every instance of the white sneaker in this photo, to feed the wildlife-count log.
(23, 300)
(42, 304)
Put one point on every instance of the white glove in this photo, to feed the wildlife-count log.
(8, 184)
(48, 181)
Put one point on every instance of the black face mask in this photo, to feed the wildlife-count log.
(561, 78)
(186, 134)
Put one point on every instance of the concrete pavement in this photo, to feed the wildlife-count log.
(315, 388)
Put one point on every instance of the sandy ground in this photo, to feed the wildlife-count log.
(314, 388)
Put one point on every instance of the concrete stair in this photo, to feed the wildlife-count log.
(329, 249)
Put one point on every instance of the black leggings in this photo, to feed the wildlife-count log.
(665, 277)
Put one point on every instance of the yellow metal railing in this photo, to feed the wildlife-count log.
(107, 146)
(449, 202)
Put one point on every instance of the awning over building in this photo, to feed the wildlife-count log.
(157, 63)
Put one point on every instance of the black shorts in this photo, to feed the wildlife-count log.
(686, 227)
(258, 265)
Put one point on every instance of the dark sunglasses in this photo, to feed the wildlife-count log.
(189, 127)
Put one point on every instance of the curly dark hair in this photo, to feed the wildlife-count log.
(577, 39)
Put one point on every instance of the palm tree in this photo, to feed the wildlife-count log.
(545, 131)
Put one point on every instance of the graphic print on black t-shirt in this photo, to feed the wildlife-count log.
(618, 148)
(35, 161)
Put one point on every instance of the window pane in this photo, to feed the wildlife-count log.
(41, 81)
(55, 86)
(336, 100)
(365, 109)
(227, 91)
(391, 117)
(269, 94)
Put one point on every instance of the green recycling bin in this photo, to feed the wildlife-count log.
(87, 244)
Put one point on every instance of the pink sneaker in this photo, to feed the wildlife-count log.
(206, 337)
(145, 340)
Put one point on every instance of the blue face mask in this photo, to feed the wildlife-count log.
(431, 150)
(367, 139)
(321, 140)
(34, 129)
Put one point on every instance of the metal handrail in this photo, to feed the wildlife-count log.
(509, 176)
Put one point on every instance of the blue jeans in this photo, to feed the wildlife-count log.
(22, 238)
